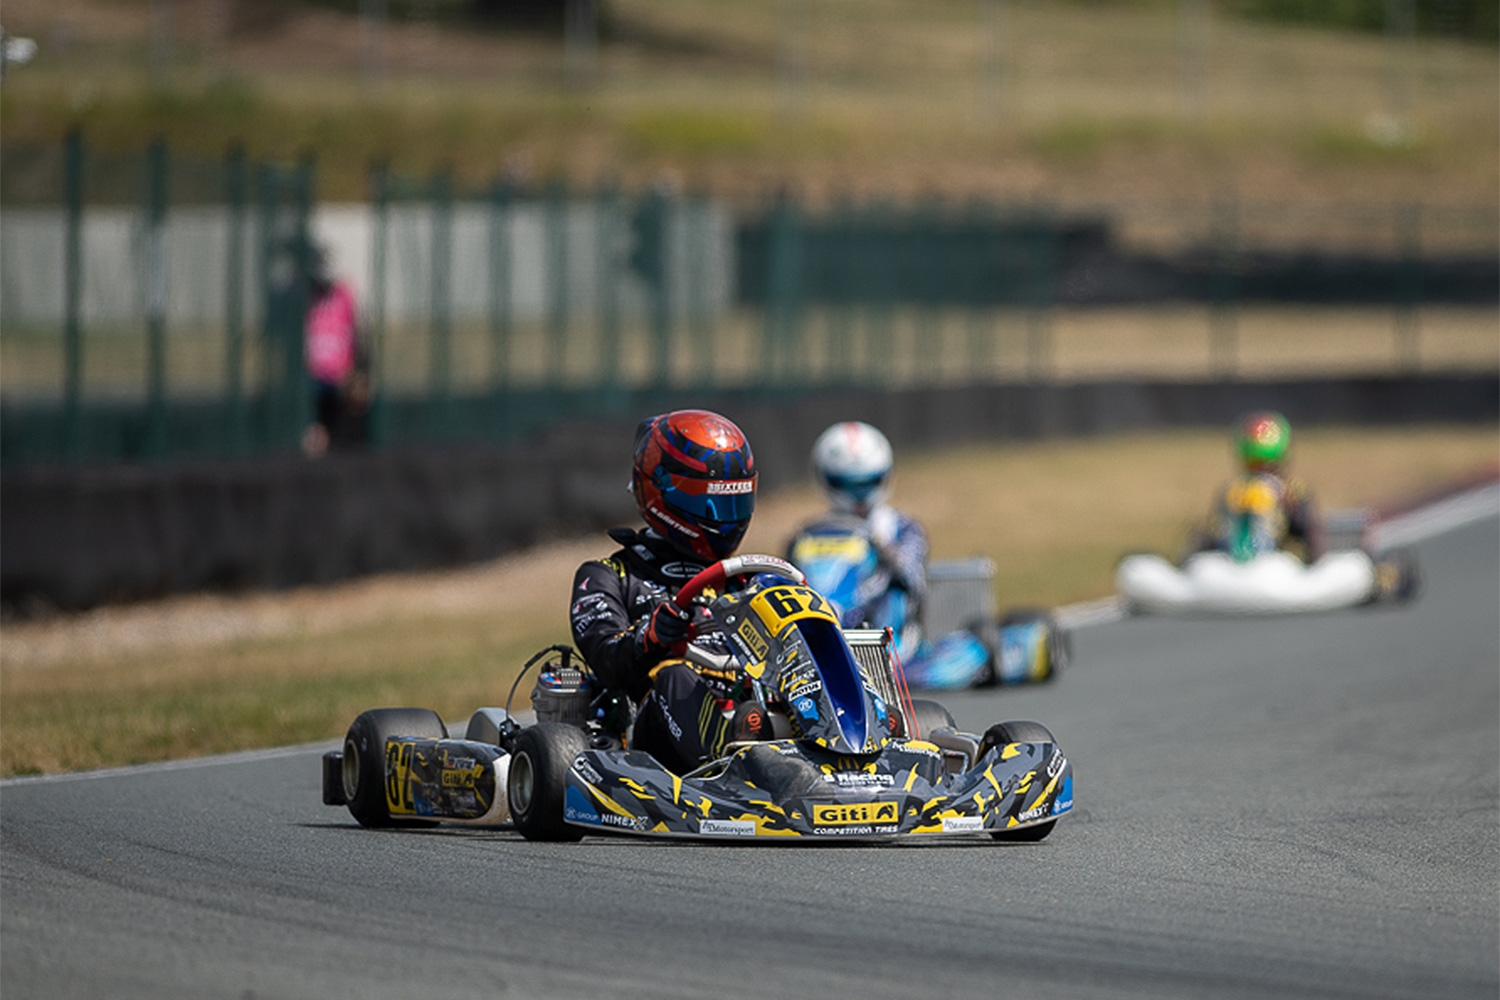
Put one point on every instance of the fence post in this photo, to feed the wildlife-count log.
(1041, 363)
(380, 430)
(1408, 222)
(783, 270)
(234, 306)
(607, 249)
(299, 383)
(841, 272)
(500, 306)
(440, 373)
(697, 256)
(648, 258)
(155, 444)
(557, 285)
(878, 249)
(1224, 318)
(72, 296)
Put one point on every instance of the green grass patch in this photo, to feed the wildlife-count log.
(682, 132)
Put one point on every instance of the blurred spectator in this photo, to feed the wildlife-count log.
(336, 363)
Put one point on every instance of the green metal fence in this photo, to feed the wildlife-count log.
(152, 304)
(150, 307)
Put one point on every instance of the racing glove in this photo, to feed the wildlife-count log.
(666, 626)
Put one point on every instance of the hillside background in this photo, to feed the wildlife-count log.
(1078, 102)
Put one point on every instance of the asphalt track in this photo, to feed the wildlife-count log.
(1300, 807)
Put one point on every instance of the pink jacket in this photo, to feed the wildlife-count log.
(331, 335)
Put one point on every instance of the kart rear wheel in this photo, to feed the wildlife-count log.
(928, 715)
(363, 763)
(538, 780)
(1001, 734)
(1058, 641)
(1396, 578)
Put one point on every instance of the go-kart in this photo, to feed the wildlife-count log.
(852, 755)
(1239, 569)
(976, 650)
(1275, 582)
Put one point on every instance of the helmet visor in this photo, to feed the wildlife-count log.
(728, 502)
(857, 488)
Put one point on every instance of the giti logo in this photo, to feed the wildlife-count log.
(870, 812)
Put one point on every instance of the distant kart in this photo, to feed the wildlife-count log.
(852, 756)
(973, 649)
(1276, 582)
(1245, 573)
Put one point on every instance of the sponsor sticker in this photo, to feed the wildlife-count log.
(863, 813)
(727, 827)
(861, 779)
(1064, 797)
(577, 809)
(962, 824)
(732, 486)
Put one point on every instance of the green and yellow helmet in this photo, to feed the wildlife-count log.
(1261, 440)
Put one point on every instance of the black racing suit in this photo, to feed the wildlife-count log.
(681, 721)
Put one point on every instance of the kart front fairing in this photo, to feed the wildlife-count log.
(843, 775)
(788, 789)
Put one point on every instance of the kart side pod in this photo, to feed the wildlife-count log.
(399, 767)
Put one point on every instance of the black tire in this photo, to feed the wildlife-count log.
(1025, 835)
(1398, 580)
(538, 780)
(363, 763)
(928, 715)
(1000, 734)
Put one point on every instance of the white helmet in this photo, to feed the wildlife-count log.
(853, 462)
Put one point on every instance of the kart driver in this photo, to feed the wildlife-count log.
(694, 479)
(853, 461)
(1283, 504)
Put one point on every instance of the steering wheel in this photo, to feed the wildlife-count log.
(716, 575)
(735, 566)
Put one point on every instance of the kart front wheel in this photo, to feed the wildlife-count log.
(1026, 834)
(1003, 734)
(363, 761)
(539, 780)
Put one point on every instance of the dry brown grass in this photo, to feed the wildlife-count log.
(202, 674)
(1083, 103)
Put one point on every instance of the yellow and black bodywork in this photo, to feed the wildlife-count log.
(788, 789)
(847, 769)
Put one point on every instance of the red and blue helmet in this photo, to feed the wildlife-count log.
(694, 480)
